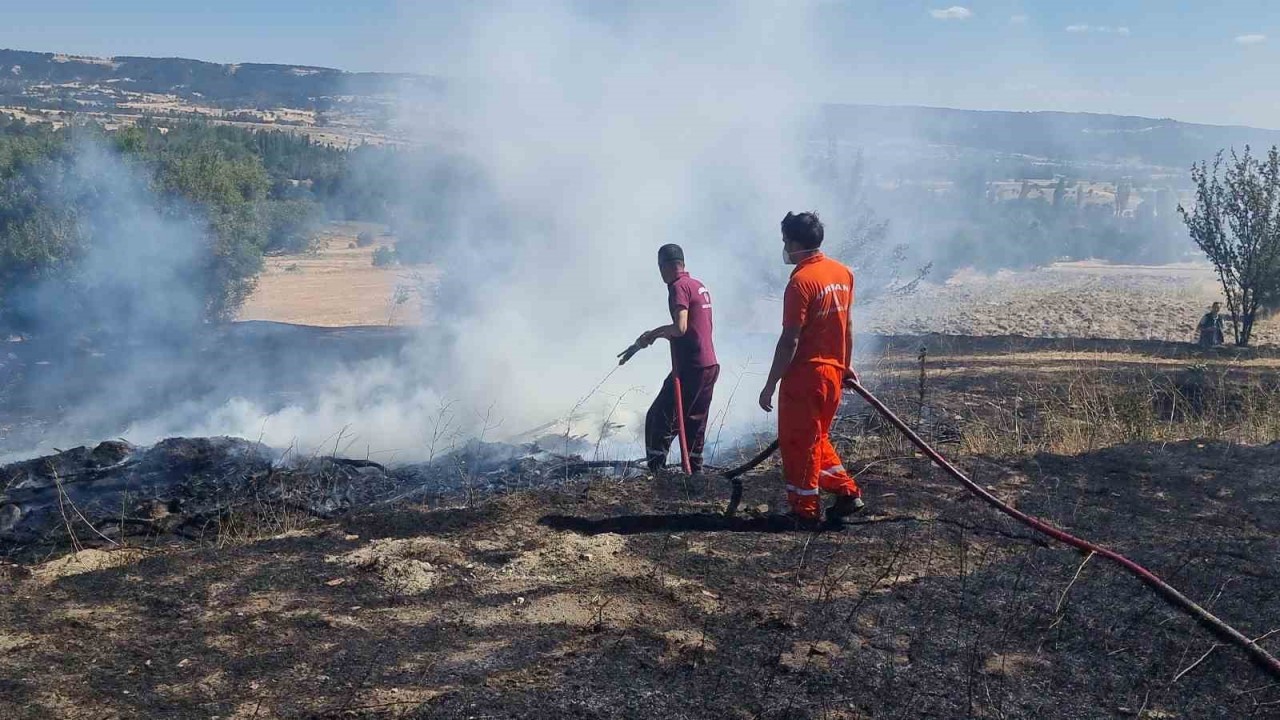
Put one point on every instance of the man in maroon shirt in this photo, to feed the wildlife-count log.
(693, 356)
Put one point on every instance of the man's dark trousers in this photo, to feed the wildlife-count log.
(696, 386)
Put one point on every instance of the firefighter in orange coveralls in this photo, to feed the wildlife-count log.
(812, 361)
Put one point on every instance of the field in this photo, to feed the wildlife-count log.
(541, 601)
(337, 285)
(1065, 300)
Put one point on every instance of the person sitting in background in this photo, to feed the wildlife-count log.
(1210, 327)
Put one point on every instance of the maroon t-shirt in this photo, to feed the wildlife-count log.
(694, 349)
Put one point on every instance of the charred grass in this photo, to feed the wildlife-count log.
(929, 606)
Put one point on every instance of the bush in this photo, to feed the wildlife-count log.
(384, 256)
(364, 239)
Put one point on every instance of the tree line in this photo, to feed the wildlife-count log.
(245, 194)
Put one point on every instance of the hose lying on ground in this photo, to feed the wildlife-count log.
(1257, 654)
(735, 497)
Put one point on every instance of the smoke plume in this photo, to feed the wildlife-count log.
(590, 139)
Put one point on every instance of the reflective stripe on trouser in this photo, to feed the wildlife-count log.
(807, 405)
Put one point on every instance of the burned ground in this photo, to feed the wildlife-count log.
(634, 598)
(929, 606)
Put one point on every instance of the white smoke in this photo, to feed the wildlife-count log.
(370, 410)
(140, 272)
(604, 136)
(598, 136)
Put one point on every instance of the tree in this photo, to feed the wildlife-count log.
(291, 225)
(1236, 223)
(1123, 191)
(878, 263)
(1059, 193)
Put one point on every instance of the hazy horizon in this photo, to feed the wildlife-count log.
(1133, 57)
(1029, 110)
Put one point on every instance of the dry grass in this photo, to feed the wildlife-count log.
(338, 285)
(1074, 403)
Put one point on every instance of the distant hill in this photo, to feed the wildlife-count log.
(1062, 136)
(929, 141)
(25, 78)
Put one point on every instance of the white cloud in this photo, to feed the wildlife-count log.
(955, 12)
(1102, 29)
(1251, 39)
(1019, 19)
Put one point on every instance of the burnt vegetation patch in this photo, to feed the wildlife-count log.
(526, 590)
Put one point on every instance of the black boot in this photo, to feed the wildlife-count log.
(792, 522)
(845, 506)
(656, 463)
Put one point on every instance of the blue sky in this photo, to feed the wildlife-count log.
(1198, 61)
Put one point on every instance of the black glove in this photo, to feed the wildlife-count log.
(626, 355)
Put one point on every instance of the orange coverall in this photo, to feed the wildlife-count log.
(818, 300)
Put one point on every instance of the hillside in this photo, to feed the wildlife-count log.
(59, 82)
(1062, 136)
(83, 81)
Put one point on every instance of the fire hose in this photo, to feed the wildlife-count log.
(1257, 654)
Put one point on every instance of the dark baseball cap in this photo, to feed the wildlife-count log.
(670, 253)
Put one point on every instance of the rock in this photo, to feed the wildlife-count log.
(110, 452)
(805, 655)
(9, 517)
(153, 509)
(1012, 664)
(685, 644)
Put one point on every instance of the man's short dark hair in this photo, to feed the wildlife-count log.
(670, 253)
(803, 229)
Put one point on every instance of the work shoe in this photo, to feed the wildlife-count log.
(794, 522)
(844, 507)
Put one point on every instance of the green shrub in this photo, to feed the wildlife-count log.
(384, 256)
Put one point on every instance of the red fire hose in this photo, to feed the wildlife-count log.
(1257, 654)
(685, 461)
